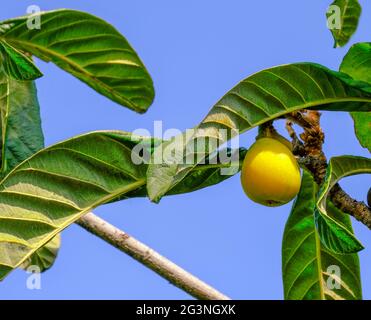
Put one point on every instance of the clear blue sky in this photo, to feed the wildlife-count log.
(195, 51)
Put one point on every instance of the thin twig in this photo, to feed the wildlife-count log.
(311, 155)
(150, 258)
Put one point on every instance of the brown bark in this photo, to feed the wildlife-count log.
(310, 154)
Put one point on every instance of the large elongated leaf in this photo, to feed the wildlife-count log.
(306, 264)
(17, 65)
(350, 11)
(332, 232)
(88, 48)
(55, 187)
(59, 184)
(22, 136)
(21, 133)
(357, 64)
(259, 98)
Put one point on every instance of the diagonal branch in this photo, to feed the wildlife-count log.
(312, 157)
(150, 258)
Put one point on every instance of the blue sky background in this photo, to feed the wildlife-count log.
(195, 52)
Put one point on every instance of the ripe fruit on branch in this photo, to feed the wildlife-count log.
(270, 173)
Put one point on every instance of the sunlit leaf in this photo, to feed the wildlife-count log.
(22, 136)
(88, 48)
(59, 184)
(264, 96)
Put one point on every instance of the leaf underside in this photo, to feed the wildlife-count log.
(306, 263)
(79, 43)
(38, 199)
(88, 48)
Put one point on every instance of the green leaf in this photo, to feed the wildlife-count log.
(59, 184)
(306, 264)
(22, 136)
(264, 96)
(362, 127)
(333, 234)
(350, 11)
(17, 65)
(21, 133)
(44, 257)
(204, 175)
(357, 64)
(88, 48)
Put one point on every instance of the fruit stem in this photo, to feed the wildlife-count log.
(266, 130)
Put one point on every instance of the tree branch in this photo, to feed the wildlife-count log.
(310, 155)
(345, 203)
(150, 258)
